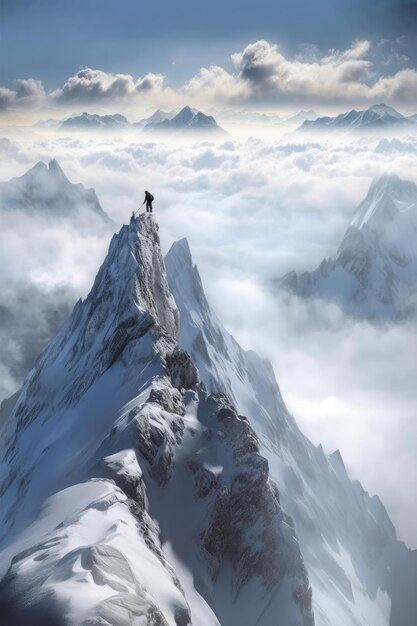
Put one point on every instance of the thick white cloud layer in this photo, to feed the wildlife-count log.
(251, 211)
(263, 75)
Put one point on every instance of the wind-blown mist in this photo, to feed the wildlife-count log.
(251, 211)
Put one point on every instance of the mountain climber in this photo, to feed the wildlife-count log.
(132, 217)
(148, 199)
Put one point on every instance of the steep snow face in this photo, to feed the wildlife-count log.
(45, 191)
(359, 572)
(374, 273)
(128, 494)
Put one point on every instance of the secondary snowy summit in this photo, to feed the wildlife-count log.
(374, 272)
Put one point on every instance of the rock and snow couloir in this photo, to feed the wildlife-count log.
(128, 493)
(374, 273)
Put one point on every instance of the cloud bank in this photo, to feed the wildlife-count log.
(262, 74)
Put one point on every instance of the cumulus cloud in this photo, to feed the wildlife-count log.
(91, 84)
(265, 75)
(25, 92)
(217, 85)
(270, 73)
(251, 211)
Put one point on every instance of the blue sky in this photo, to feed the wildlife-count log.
(50, 39)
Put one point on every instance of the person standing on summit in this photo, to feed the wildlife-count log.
(148, 199)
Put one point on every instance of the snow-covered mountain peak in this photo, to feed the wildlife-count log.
(170, 500)
(377, 118)
(374, 271)
(46, 190)
(346, 537)
(384, 109)
(127, 325)
(50, 172)
(185, 114)
(134, 274)
(180, 263)
(119, 470)
(56, 170)
(388, 196)
(187, 120)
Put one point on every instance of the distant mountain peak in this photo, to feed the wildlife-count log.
(387, 196)
(373, 274)
(95, 121)
(181, 246)
(385, 109)
(376, 118)
(187, 120)
(46, 190)
(56, 170)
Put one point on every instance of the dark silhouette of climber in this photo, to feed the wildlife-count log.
(132, 217)
(148, 199)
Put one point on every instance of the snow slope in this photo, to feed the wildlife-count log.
(360, 573)
(128, 493)
(374, 273)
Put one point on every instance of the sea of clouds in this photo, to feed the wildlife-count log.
(252, 210)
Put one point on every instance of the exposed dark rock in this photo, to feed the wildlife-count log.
(183, 372)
